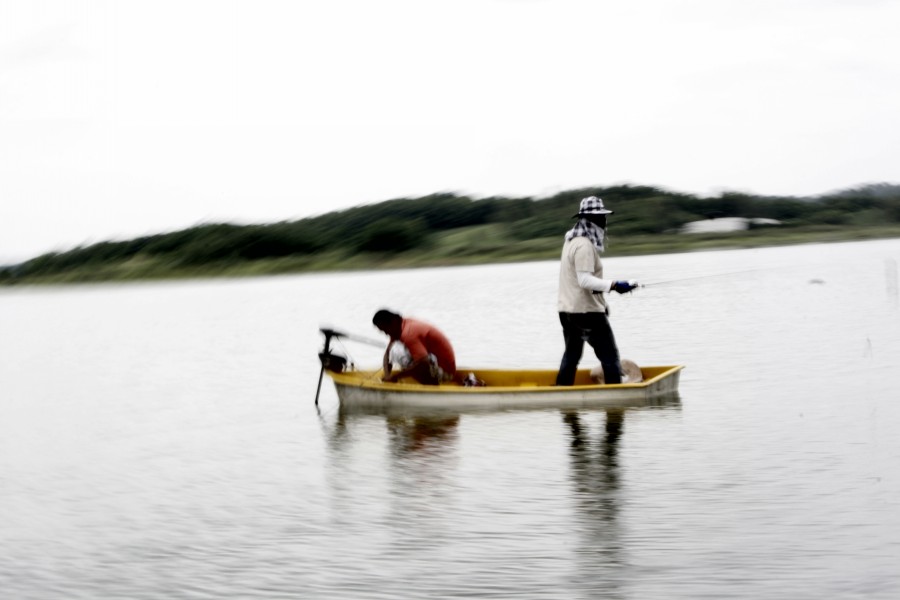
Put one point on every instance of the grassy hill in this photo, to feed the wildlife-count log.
(446, 229)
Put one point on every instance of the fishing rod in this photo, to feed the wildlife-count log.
(636, 284)
(683, 279)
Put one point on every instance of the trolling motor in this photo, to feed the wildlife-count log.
(335, 362)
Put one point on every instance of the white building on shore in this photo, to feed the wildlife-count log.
(725, 225)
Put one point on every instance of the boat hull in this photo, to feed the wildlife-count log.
(505, 389)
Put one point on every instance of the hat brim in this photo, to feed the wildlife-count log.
(602, 212)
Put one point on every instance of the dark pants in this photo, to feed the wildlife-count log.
(594, 329)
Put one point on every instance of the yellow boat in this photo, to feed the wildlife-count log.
(504, 389)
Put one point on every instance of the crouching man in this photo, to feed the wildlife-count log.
(421, 350)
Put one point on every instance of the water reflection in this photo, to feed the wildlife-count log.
(596, 482)
(422, 491)
(595, 463)
(408, 434)
(417, 490)
(427, 435)
(597, 491)
(405, 494)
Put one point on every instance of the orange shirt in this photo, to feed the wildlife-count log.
(422, 339)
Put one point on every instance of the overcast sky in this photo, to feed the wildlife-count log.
(120, 118)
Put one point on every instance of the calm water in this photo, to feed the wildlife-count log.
(160, 440)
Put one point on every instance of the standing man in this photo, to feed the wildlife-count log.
(582, 307)
(422, 351)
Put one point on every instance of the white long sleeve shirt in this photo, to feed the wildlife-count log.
(580, 275)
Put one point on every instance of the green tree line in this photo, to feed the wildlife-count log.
(414, 224)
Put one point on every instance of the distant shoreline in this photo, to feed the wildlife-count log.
(143, 269)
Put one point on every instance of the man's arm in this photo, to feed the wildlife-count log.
(395, 376)
(588, 281)
(386, 361)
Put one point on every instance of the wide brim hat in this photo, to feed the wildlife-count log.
(592, 205)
